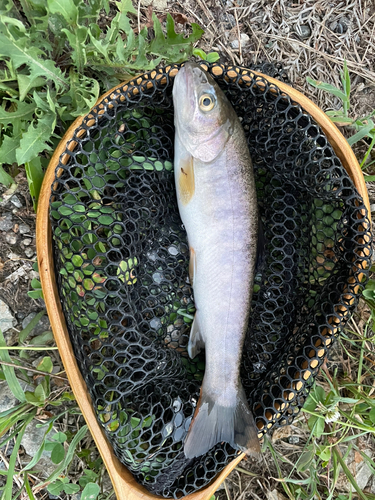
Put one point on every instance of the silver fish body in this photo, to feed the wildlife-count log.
(217, 203)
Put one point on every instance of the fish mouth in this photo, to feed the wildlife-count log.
(186, 87)
(193, 74)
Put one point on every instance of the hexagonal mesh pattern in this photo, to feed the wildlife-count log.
(121, 258)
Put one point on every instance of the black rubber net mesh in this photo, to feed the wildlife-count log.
(121, 260)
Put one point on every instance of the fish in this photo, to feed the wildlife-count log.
(217, 203)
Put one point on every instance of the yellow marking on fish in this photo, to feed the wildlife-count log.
(186, 181)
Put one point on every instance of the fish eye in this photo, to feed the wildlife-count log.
(206, 102)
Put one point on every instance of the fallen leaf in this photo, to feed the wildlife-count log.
(179, 18)
(275, 495)
(281, 433)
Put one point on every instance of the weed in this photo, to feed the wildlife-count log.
(363, 126)
(340, 416)
(56, 61)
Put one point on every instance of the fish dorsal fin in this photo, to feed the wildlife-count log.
(186, 179)
(196, 342)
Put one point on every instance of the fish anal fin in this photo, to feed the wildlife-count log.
(186, 179)
(196, 342)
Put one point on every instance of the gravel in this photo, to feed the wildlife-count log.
(7, 320)
(6, 222)
(7, 399)
(33, 437)
(24, 229)
(16, 201)
(11, 238)
(29, 252)
(245, 39)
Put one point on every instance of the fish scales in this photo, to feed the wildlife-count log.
(222, 226)
(217, 203)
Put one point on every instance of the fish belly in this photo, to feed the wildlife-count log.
(221, 223)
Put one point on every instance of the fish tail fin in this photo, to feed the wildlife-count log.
(214, 423)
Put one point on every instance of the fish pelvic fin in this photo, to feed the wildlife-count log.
(192, 266)
(213, 423)
(196, 342)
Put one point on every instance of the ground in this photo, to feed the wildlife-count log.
(310, 38)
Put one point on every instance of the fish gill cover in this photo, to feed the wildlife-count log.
(121, 258)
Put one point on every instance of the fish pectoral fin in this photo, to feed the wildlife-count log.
(192, 266)
(196, 342)
(185, 179)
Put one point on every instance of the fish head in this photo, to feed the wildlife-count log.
(204, 118)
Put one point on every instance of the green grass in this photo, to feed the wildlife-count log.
(55, 61)
(338, 417)
(364, 126)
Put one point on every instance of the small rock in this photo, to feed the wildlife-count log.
(157, 4)
(76, 496)
(45, 466)
(344, 24)
(333, 26)
(7, 399)
(11, 238)
(372, 487)
(8, 194)
(24, 228)
(155, 323)
(304, 31)
(358, 467)
(33, 437)
(363, 471)
(228, 19)
(6, 223)
(16, 201)
(293, 439)
(235, 3)
(7, 321)
(13, 256)
(42, 326)
(27, 241)
(27, 320)
(340, 26)
(245, 39)
(29, 252)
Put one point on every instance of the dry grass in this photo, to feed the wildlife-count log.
(310, 38)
